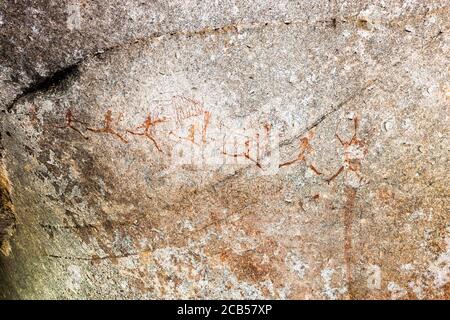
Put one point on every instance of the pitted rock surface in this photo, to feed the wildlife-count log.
(119, 179)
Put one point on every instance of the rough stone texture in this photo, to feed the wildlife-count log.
(7, 216)
(39, 37)
(358, 206)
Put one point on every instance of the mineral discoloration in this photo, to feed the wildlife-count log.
(355, 205)
(7, 216)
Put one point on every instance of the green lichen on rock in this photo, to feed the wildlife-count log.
(7, 218)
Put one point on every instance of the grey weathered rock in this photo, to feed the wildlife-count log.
(41, 37)
(356, 206)
(7, 216)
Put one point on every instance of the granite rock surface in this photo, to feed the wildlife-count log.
(232, 149)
